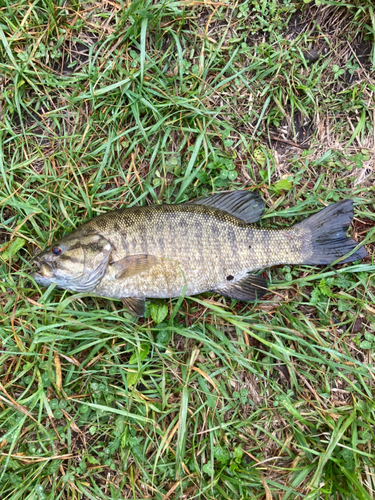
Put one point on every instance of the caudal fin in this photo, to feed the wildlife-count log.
(328, 234)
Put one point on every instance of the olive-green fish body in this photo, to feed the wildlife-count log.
(195, 246)
(209, 245)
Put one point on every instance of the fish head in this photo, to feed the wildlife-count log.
(77, 262)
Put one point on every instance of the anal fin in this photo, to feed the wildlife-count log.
(251, 287)
(135, 305)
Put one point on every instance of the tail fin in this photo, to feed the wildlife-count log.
(328, 234)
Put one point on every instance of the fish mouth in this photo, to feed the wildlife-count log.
(38, 278)
(45, 270)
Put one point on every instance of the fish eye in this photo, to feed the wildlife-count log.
(56, 251)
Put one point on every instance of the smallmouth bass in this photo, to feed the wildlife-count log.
(210, 244)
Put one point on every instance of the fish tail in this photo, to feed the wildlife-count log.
(328, 239)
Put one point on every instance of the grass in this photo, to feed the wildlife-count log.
(121, 103)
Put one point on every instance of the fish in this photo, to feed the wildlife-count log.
(207, 245)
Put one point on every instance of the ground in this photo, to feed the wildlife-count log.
(110, 104)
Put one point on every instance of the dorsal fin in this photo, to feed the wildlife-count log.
(246, 205)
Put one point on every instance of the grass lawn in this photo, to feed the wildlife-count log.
(120, 103)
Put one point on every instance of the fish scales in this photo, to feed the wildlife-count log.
(161, 251)
(202, 247)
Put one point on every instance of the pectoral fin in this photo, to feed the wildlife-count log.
(249, 288)
(133, 264)
(136, 306)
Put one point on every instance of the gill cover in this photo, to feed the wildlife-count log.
(80, 264)
(93, 255)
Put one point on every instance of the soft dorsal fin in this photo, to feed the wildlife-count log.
(133, 264)
(251, 287)
(246, 205)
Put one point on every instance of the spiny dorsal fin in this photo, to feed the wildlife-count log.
(135, 305)
(246, 205)
(251, 287)
(133, 264)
